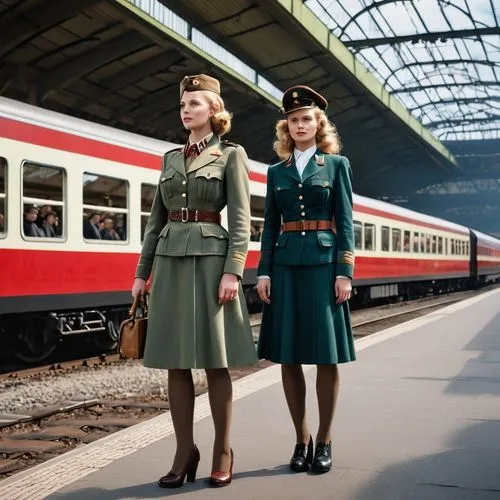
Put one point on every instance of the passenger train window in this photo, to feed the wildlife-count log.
(422, 242)
(3, 197)
(385, 239)
(257, 221)
(43, 201)
(147, 196)
(396, 240)
(105, 208)
(427, 243)
(434, 244)
(415, 242)
(358, 234)
(406, 241)
(369, 236)
(440, 245)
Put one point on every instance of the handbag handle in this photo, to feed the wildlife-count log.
(140, 302)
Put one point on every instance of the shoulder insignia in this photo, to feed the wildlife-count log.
(288, 162)
(175, 149)
(229, 143)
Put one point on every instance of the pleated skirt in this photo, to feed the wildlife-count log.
(303, 324)
(187, 327)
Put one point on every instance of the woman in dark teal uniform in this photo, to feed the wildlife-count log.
(307, 261)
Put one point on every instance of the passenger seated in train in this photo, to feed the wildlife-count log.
(29, 224)
(44, 210)
(108, 231)
(48, 225)
(91, 228)
(255, 233)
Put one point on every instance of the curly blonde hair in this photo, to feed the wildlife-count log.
(327, 137)
(221, 120)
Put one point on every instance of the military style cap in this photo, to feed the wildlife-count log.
(302, 97)
(199, 82)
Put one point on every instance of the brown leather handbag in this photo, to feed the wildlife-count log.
(133, 330)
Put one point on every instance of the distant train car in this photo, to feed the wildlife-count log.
(74, 202)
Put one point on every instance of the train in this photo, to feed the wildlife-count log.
(74, 201)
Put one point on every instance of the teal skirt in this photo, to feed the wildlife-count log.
(303, 325)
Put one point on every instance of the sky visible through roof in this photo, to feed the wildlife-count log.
(449, 82)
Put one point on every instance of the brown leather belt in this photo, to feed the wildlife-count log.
(188, 215)
(307, 225)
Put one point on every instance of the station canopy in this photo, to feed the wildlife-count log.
(441, 58)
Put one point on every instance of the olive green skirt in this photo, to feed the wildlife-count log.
(187, 327)
(303, 324)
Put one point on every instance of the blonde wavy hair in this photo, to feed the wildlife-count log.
(327, 137)
(221, 119)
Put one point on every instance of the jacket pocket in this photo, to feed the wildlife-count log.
(282, 240)
(283, 194)
(215, 240)
(325, 240)
(319, 191)
(210, 183)
(162, 242)
(167, 182)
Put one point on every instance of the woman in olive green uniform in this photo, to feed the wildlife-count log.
(197, 311)
(309, 266)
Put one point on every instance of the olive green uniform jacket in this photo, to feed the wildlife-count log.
(187, 327)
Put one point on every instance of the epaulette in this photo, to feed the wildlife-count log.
(229, 143)
(172, 150)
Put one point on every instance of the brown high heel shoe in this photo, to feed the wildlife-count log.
(172, 480)
(220, 477)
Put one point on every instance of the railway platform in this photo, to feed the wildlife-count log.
(418, 418)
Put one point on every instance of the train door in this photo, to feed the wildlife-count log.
(473, 258)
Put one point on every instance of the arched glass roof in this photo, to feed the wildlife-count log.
(441, 58)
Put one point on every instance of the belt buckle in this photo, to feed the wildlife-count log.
(301, 225)
(184, 218)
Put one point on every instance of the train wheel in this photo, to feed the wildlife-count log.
(35, 340)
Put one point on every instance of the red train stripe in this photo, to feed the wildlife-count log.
(50, 272)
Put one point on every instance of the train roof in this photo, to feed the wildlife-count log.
(406, 213)
(487, 238)
(16, 110)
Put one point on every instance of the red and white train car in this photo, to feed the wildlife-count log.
(63, 283)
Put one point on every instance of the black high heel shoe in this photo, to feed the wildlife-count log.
(302, 456)
(172, 480)
(322, 458)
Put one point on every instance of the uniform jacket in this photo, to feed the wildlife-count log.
(323, 193)
(216, 178)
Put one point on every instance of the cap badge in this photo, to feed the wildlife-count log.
(295, 95)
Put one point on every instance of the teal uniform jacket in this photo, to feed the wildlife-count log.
(323, 193)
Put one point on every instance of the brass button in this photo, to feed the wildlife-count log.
(183, 195)
(208, 174)
(326, 183)
(300, 185)
(301, 207)
(302, 213)
(183, 183)
(303, 233)
(301, 197)
(278, 188)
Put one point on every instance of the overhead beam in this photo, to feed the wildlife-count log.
(80, 66)
(16, 29)
(442, 62)
(461, 121)
(459, 100)
(421, 37)
(404, 90)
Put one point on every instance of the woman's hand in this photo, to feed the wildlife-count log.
(342, 289)
(139, 287)
(264, 289)
(228, 288)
